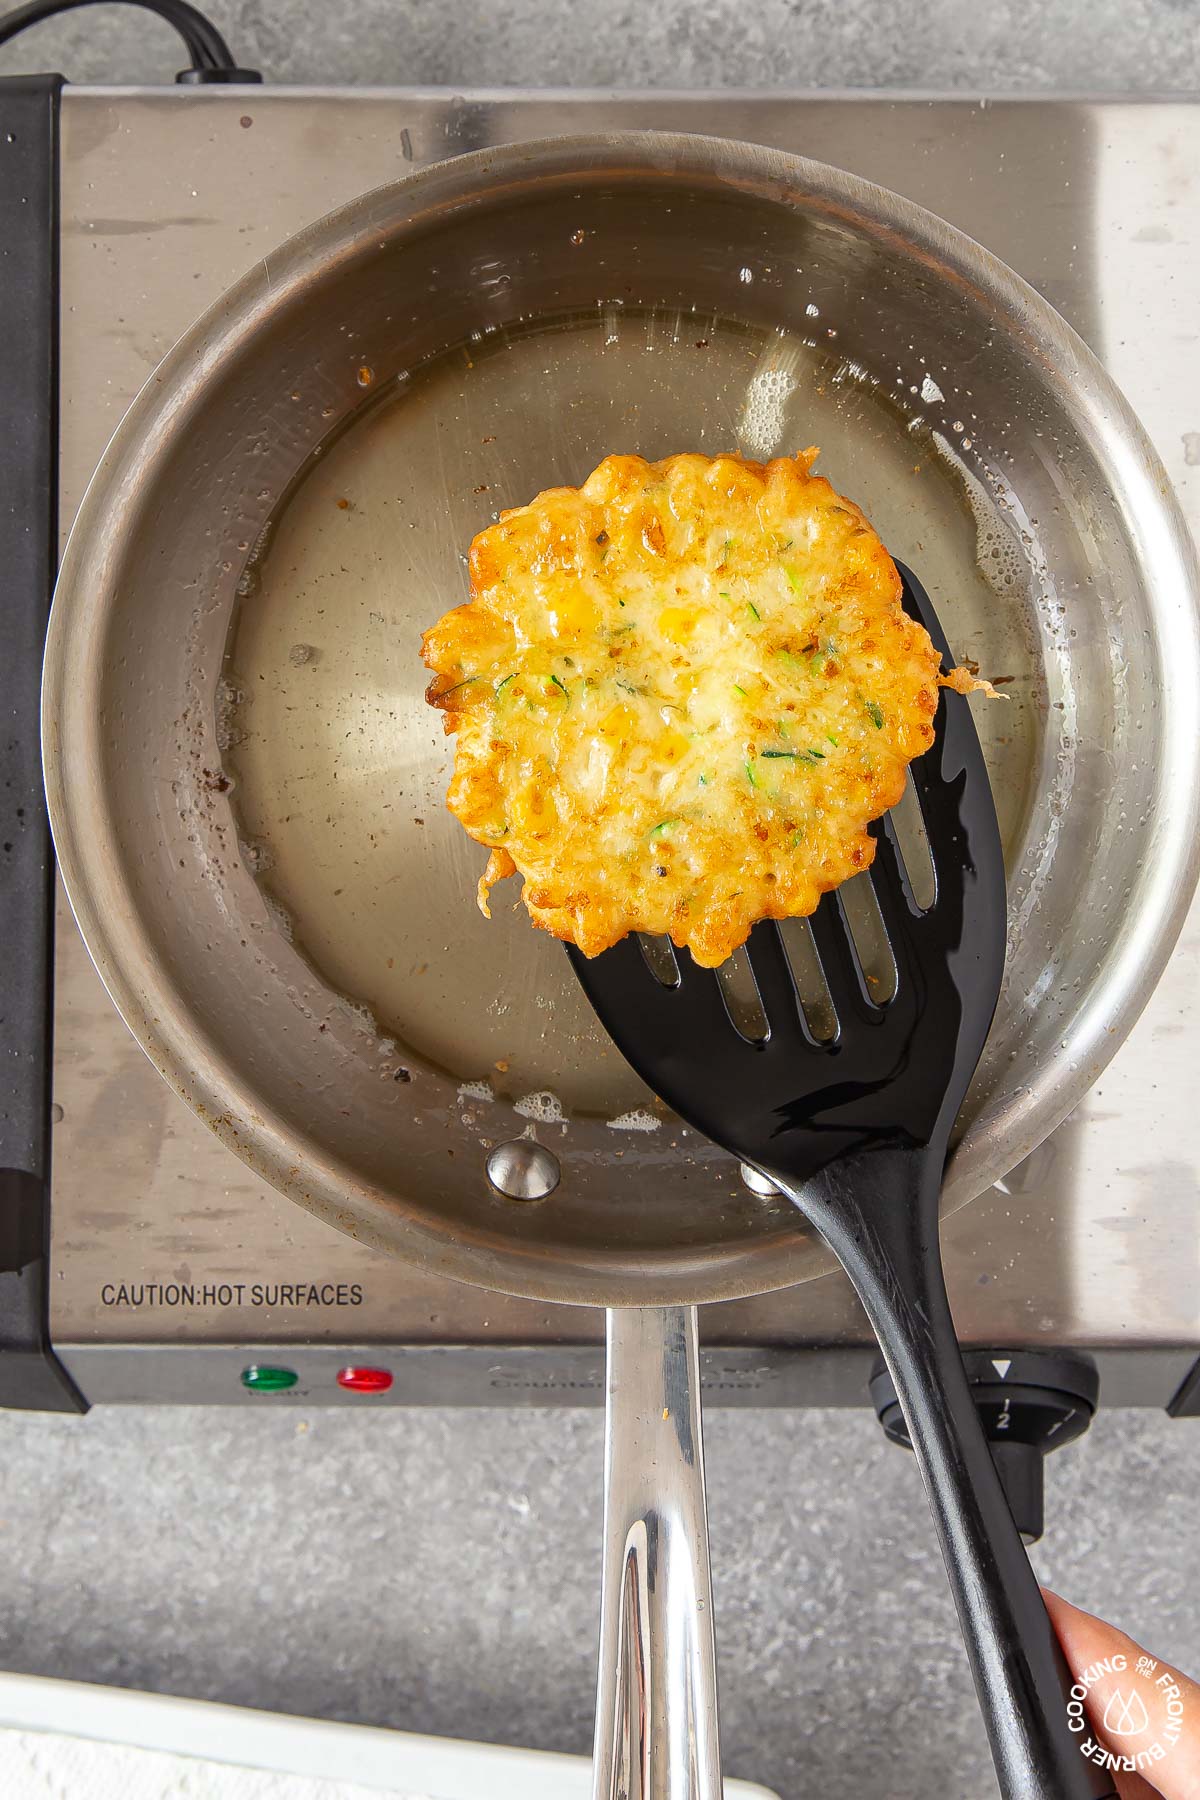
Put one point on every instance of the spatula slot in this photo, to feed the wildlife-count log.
(743, 1003)
(659, 956)
(811, 986)
(870, 938)
(913, 840)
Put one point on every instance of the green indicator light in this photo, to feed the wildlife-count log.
(266, 1380)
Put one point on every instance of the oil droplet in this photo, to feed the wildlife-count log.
(544, 1107)
(634, 1121)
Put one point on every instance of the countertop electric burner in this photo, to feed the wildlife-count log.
(170, 1272)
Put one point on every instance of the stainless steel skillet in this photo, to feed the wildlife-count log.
(639, 292)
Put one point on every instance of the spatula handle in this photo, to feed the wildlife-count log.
(878, 1212)
(656, 1696)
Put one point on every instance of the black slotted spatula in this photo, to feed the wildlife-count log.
(855, 1129)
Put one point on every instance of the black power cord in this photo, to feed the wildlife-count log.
(211, 58)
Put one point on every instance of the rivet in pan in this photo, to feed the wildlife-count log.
(757, 1182)
(523, 1170)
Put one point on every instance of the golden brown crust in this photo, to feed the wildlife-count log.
(681, 693)
(961, 681)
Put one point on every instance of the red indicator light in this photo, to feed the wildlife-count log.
(365, 1381)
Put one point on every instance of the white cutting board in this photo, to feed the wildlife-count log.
(68, 1740)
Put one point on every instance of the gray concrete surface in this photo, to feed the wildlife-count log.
(1138, 45)
(438, 1571)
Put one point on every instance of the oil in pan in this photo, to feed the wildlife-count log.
(338, 766)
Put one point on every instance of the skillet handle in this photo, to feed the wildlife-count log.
(656, 1694)
(878, 1211)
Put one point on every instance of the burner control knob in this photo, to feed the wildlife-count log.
(1030, 1401)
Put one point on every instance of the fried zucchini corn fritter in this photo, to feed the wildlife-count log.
(680, 694)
